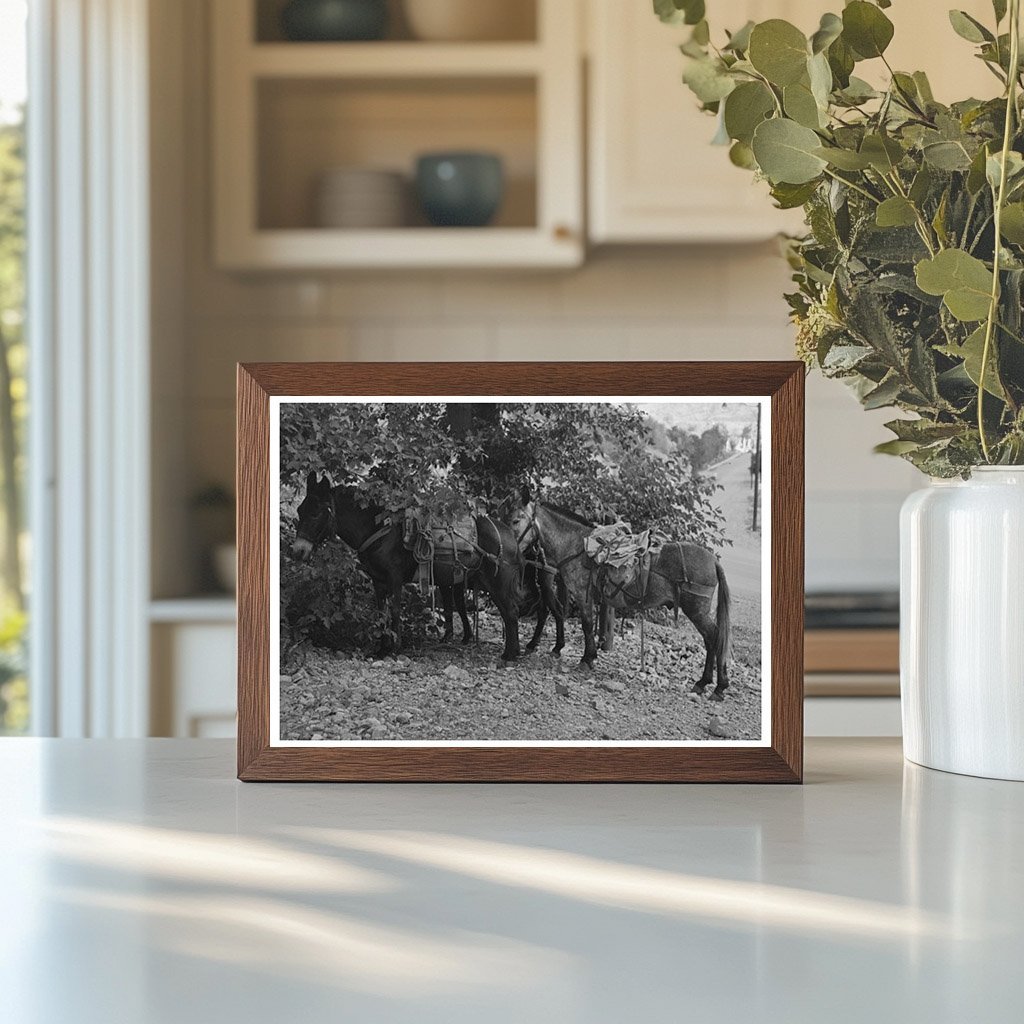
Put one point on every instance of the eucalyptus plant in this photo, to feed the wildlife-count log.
(910, 278)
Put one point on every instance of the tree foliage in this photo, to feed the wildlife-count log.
(910, 278)
(595, 458)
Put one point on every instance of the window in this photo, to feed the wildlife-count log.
(14, 550)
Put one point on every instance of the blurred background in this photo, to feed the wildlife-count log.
(250, 180)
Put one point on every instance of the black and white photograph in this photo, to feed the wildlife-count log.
(523, 571)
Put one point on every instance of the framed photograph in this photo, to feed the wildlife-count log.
(520, 572)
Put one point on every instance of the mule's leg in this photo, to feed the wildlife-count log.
(589, 644)
(723, 675)
(698, 614)
(395, 598)
(446, 605)
(556, 588)
(459, 592)
(380, 599)
(504, 593)
(542, 618)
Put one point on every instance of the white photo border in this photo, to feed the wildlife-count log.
(274, 511)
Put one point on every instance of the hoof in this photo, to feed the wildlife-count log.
(699, 688)
(466, 639)
(529, 649)
(586, 666)
(718, 695)
(556, 652)
(447, 638)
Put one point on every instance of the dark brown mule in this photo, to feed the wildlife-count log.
(561, 534)
(683, 576)
(377, 538)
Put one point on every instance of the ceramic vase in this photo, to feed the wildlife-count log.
(962, 624)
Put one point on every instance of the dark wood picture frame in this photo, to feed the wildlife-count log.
(781, 761)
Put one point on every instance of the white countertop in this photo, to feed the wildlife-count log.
(143, 885)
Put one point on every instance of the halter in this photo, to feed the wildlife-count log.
(534, 525)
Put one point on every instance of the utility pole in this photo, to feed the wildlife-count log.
(757, 471)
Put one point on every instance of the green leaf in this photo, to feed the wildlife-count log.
(1012, 225)
(741, 155)
(676, 12)
(785, 152)
(923, 431)
(947, 156)
(924, 87)
(800, 105)
(820, 76)
(883, 153)
(921, 185)
(885, 394)
(778, 50)
(963, 281)
(999, 7)
(994, 168)
(866, 29)
(789, 197)
(976, 173)
(829, 30)
(844, 159)
(739, 41)
(971, 352)
(841, 60)
(969, 28)
(746, 107)
(708, 80)
(896, 447)
(896, 212)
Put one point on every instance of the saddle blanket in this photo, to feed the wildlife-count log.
(616, 546)
(452, 545)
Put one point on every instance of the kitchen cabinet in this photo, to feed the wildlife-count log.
(287, 113)
(653, 175)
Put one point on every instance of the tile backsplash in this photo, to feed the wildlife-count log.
(700, 303)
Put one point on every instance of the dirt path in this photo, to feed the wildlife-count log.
(456, 693)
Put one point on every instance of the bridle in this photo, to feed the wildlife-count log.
(542, 564)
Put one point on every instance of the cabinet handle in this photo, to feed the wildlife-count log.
(563, 232)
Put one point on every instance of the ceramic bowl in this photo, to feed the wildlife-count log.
(359, 197)
(460, 189)
(470, 20)
(334, 20)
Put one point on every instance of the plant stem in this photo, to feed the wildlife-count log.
(993, 309)
(856, 188)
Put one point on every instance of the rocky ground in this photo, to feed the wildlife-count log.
(450, 692)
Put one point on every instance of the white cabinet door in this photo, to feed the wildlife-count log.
(653, 175)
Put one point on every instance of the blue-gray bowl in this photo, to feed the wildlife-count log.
(461, 190)
(332, 21)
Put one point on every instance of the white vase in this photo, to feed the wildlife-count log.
(962, 624)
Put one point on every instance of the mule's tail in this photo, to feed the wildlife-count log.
(723, 617)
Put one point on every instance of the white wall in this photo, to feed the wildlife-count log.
(668, 303)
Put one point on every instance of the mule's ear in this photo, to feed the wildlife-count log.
(325, 485)
(525, 495)
(311, 483)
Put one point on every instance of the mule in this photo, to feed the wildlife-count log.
(682, 576)
(377, 537)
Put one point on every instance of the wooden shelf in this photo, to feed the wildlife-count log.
(401, 247)
(393, 60)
